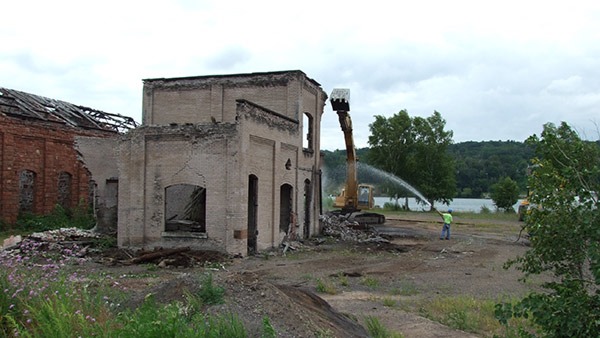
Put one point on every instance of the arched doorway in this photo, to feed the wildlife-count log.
(307, 203)
(285, 208)
(252, 214)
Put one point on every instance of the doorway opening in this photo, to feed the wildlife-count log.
(307, 203)
(252, 214)
(285, 208)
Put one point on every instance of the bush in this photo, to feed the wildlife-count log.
(505, 193)
(79, 217)
(210, 293)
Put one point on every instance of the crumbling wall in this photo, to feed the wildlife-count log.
(154, 158)
(204, 99)
(47, 150)
(99, 156)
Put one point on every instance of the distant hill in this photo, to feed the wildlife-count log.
(478, 166)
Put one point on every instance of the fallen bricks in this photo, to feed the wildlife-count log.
(340, 227)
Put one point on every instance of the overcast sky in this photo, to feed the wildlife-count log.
(495, 70)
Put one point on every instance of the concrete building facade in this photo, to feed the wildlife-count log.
(228, 163)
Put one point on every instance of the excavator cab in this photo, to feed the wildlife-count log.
(365, 198)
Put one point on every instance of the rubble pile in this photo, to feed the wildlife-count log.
(61, 245)
(64, 235)
(340, 227)
(75, 245)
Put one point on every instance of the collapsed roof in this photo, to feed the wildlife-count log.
(29, 106)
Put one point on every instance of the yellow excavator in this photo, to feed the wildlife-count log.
(354, 197)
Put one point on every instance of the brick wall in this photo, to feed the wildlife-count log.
(47, 150)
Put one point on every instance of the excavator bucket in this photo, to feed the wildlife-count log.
(340, 99)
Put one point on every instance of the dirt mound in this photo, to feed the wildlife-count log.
(293, 311)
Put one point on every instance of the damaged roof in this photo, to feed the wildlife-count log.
(29, 106)
(255, 75)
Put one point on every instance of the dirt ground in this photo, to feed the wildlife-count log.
(415, 265)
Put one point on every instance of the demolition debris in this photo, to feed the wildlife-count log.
(349, 231)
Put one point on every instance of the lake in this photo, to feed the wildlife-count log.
(458, 204)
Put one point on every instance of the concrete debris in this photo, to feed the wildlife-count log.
(77, 246)
(65, 244)
(11, 242)
(64, 234)
(340, 227)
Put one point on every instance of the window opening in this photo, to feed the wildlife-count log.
(64, 189)
(307, 123)
(185, 208)
(26, 191)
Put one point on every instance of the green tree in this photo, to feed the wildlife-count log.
(481, 164)
(505, 194)
(564, 230)
(414, 149)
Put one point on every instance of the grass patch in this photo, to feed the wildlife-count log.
(405, 288)
(370, 282)
(472, 315)
(326, 286)
(389, 302)
(377, 330)
(343, 279)
(47, 302)
(268, 329)
(462, 313)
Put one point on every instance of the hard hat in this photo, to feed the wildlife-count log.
(450, 210)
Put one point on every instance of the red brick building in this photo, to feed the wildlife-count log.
(39, 166)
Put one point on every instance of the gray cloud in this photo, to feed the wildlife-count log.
(494, 72)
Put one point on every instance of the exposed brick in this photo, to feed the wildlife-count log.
(46, 149)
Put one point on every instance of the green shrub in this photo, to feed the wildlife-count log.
(211, 293)
(78, 217)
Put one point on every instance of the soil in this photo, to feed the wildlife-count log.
(410, 266)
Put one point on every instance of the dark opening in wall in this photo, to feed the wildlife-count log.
(185, 208)
(64, 189)
(26, 191)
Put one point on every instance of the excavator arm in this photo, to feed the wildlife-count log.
(340, 102)
(348, 200)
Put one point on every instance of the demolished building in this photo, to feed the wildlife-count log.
(39, 165)
(225, 162)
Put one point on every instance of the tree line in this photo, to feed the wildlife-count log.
(477, 166)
